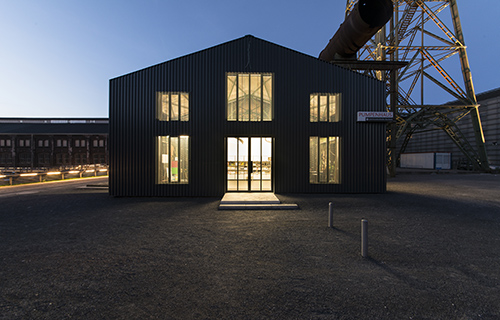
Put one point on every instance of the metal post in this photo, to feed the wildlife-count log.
(364, 238)
(10, 180)
(330, 215)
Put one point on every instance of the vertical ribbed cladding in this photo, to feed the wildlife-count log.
(133, 124)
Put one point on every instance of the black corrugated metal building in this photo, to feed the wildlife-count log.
(246, 115)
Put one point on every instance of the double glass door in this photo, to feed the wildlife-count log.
(249, 162)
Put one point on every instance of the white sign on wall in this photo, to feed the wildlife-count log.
(374, 116)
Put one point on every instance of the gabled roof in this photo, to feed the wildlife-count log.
(245, 39)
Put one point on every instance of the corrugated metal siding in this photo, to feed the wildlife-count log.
(438, 141)
(133, 126)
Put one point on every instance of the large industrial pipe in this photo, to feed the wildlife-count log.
(366, 18)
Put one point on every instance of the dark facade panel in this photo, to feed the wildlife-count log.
(133, 126)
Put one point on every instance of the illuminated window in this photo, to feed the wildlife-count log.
(77, 143)
(40, 143)
(249, 97)
(172, 106)
(21, 143)
(7, 143)
(27, 143)
(324, 160)
(58, 143)
(101, 143)
(172, 161)
(65, 143)
(95, 143)
(46, 143)
(2, 143)
(324, 107)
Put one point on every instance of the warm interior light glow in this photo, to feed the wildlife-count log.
(3, 176)
(91, 170)
(74, 171)
(53, 172)
(28, 174)
(103, 170)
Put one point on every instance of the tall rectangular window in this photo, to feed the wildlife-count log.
(172, 160)
(324, 107)
(324, 160)
(249, 97)
(172, 106)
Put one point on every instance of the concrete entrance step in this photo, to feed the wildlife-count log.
(253, 201)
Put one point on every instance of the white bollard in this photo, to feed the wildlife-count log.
(364, 238)
(330, 215)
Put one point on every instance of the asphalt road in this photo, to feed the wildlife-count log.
(53, 187)
(434, 253)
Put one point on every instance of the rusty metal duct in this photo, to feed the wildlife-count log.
(365, 19)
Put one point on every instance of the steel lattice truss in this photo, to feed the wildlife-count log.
(418, 33)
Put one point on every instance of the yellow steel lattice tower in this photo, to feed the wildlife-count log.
(420, 33)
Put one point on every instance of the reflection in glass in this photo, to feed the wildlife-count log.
(323, 108)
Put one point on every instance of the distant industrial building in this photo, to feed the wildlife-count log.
(38, 144)
(246, 115)
(437, 141)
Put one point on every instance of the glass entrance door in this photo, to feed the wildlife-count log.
(249, 162)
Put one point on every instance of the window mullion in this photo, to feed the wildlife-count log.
(249, 97)
(262, 83)
(237, 100)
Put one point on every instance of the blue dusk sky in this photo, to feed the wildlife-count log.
(57, 57)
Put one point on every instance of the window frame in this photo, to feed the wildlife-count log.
(183, 111)
(262, 85)
(337, 169)
(315, 118)
(183, 162)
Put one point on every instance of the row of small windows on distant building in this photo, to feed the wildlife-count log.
(249, 97)
(46, 143)
(45, 159)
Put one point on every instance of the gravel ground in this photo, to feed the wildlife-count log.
(434, 246)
